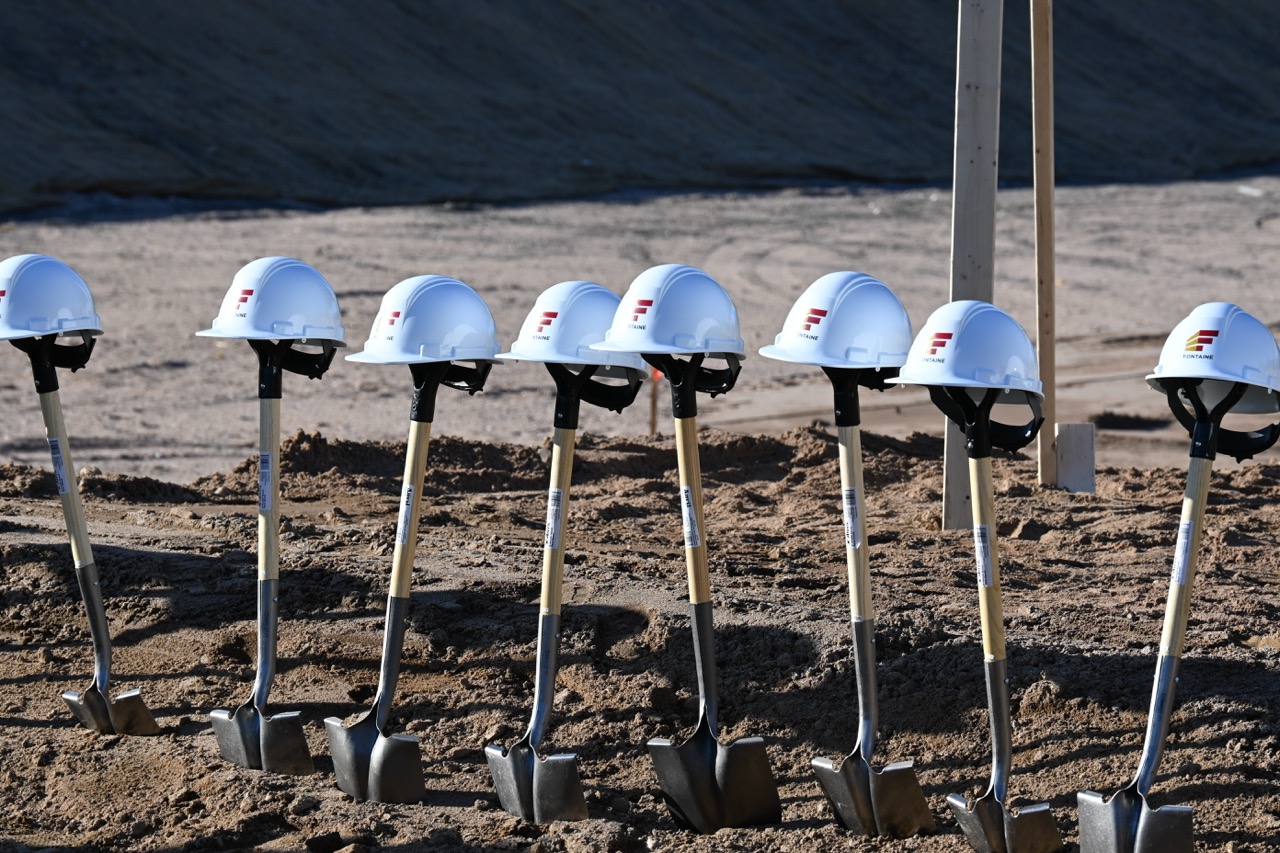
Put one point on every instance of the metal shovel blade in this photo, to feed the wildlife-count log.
(284, 745)
(128, 714)
(275, 744)
(534, 788)
(990, 827)
(848, 789)
(1126, 824)
(91, 709)
(709, 785)
(887, 802)
(237, 735)
(370, 765)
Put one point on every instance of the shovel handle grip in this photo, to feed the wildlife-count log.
(64, 472)
(990, 605)
(562, 444)
(690, 475)
(268, 488)
(855, 528)
(1183, 574)
(415, 466)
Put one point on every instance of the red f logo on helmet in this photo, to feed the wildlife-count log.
(814, 318)
(939, 341)
(1200, 340)
(642, 307)
(545, 320)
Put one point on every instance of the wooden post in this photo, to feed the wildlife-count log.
(1042, 142)
(973, 206)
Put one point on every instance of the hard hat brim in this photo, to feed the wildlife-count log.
(62, 333)
(782, 354)
(366, 357)
(1257, 400)
(1011, 395)
(214, 333)
(599, 362)
(659, 349)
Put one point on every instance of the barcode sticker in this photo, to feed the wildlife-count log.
(264, 482)
(982, 550)
(551, 536)
(59, 466)
(406, 512)
(852, 530)
(1182, 553)
(689, 515)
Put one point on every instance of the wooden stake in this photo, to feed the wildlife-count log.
(973, 206)
(1042, 142)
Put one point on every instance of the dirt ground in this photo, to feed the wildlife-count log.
(156, 401)
(1084, 579)
(163, 425)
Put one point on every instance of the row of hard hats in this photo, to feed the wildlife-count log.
(843, 320)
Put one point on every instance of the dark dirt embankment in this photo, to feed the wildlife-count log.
(345, 103)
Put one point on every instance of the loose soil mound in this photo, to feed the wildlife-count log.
(1084, 577)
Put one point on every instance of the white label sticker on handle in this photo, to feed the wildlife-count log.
(406, 507)
(551, 535)
(692, 536)
(982, 550)
(852, 530)
(264, 482)
(59, 466)
(1182, 553)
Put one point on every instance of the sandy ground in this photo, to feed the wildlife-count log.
(1084, 579)
(165, 423)
(157, 401)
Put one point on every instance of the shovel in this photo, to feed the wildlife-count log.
(534, 787)
(1125, 823)
(127, 714)
(988, 823)
(370, 763)
(868, 801)
(247, 735)
(708, 784)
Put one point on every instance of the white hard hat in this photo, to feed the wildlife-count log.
(279, 299)
(430, 318)
(972, 344)
(40, 295)
(567, 318)
(674, 309)
(1223, 344)
(844, 319)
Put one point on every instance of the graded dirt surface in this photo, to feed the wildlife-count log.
(156, 401)
(1084, 580)
(163, 429)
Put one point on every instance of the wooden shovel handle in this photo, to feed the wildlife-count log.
(562, 444)
(991, 608)
(1183, 575)
(690, 471)
(855, 533)
(64, 471)
(268, 488)
(415, 466)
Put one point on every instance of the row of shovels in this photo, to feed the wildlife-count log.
(707, 784)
